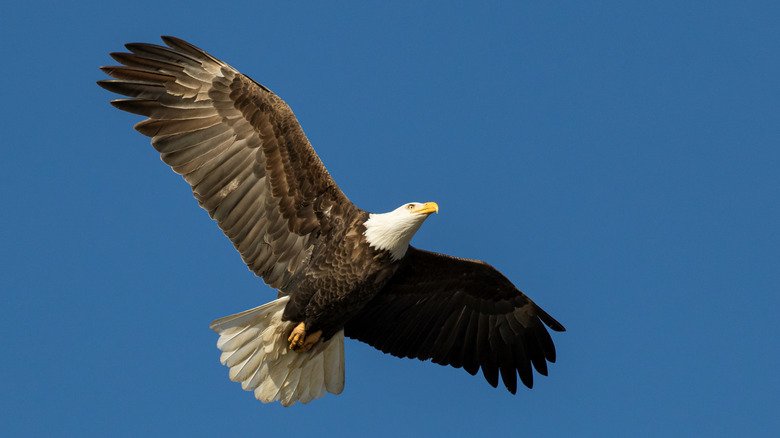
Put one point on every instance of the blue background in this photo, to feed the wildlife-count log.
(617, 161)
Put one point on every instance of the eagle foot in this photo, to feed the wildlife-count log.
(300, 341)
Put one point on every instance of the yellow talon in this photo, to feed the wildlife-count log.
(310, 340)
(299, 341)
(297, 337)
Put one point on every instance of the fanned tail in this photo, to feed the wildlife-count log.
(254, 346)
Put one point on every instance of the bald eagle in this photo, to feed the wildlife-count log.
(340, 271)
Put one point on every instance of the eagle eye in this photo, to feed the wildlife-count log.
(410, 206)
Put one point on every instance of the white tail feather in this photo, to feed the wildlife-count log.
(255, 348)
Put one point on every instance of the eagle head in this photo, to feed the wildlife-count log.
(393, 231)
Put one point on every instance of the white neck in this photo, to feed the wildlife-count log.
(392, 232)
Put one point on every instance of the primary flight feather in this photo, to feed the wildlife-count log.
(339, 270)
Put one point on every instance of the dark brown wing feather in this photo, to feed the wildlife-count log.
(458, 312)
(237, 144)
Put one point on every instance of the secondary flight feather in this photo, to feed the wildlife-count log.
(339, 270)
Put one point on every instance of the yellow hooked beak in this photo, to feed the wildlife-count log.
(427, 208)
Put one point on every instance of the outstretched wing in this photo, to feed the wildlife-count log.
(458, 312)
(237, 144)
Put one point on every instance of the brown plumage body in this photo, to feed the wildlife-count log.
(252, 168)
(341, 277)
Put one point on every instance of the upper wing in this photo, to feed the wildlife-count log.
(238, 145)
(458, 312)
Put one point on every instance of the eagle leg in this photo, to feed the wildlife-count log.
(297, 336)
(300, 341)
(310, 340)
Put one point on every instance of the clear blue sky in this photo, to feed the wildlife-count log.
(620, 163)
